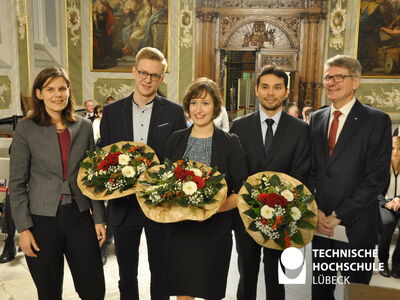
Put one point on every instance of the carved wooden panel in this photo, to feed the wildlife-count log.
(259, 32)
(262, 3)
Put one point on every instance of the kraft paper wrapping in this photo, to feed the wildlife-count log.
(89, 191)
(171, 213)
(243, 206)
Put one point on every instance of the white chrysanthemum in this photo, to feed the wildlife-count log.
(128, 171)
(288, 195)
(196, 172)
(295, 213)
(189, 188)
(124, 159)
(267, 212)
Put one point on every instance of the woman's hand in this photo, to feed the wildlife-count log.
(230, 203)
(101, 233)
(27, 243)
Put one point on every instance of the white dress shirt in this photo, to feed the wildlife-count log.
(345, 110)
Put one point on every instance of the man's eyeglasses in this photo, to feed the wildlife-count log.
(338, 78)
(144, 75)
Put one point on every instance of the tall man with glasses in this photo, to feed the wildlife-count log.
(148, 118)
(273, 141)
(351, 146)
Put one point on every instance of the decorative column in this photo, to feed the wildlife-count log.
(205, 44)
(310, 82)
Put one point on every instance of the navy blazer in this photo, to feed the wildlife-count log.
(117, 125)
(290, 149)
(349, 182)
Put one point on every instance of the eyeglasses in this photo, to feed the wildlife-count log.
(338, 78)
(144, 75)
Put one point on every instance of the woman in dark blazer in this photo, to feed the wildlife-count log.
(199, 252)
(389, 207)
(51, 214)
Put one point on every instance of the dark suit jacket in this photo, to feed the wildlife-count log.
(228, 155)
(350, 181)
(36, 171)
(290, 149)
(117, 125)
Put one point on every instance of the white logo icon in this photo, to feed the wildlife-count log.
(292, 259)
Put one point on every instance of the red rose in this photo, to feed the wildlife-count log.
(112, 158)
(189, 173)
(103, 165)
(199, 181)
(272, 199)
(263, 198)
(179, 173)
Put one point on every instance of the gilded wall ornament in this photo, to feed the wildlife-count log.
(5, 92)
(337, 25)
(73, 21)
(186, 24)
(21, 12)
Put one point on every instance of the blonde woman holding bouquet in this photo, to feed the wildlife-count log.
(199, 252)
(51, 214)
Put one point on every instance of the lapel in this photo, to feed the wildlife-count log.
(127, 121)
(323, 133)
(52, 146)
(278, 139)
(181, 147)
(156, 114)
(255, 131)
(349, 127)
(216, 140)
(73, 129)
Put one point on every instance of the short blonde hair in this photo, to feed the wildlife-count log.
(152, 54)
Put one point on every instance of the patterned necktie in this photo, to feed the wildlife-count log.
(268, 135)
(333, 131)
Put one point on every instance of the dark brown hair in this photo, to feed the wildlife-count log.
(39, 114)
(274, 70)
(199, 89)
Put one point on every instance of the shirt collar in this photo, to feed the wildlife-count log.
(276, 117)
(345, 109)
(148, 105)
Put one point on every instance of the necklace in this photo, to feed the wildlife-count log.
(61, 130)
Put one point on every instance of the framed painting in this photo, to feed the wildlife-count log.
(120, 28)
(378, 44)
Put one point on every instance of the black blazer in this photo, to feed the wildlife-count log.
(228, 155)
(117, 125)
(290, 149)
(349, 181)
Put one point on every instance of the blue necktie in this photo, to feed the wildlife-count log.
(269, 135)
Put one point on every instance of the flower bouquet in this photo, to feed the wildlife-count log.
(278, 211)
(112, 171)
(185, 190)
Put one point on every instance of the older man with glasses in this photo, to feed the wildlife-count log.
(351, 145)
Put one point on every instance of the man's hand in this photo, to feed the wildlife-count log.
(101, 233)
(27, 243)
